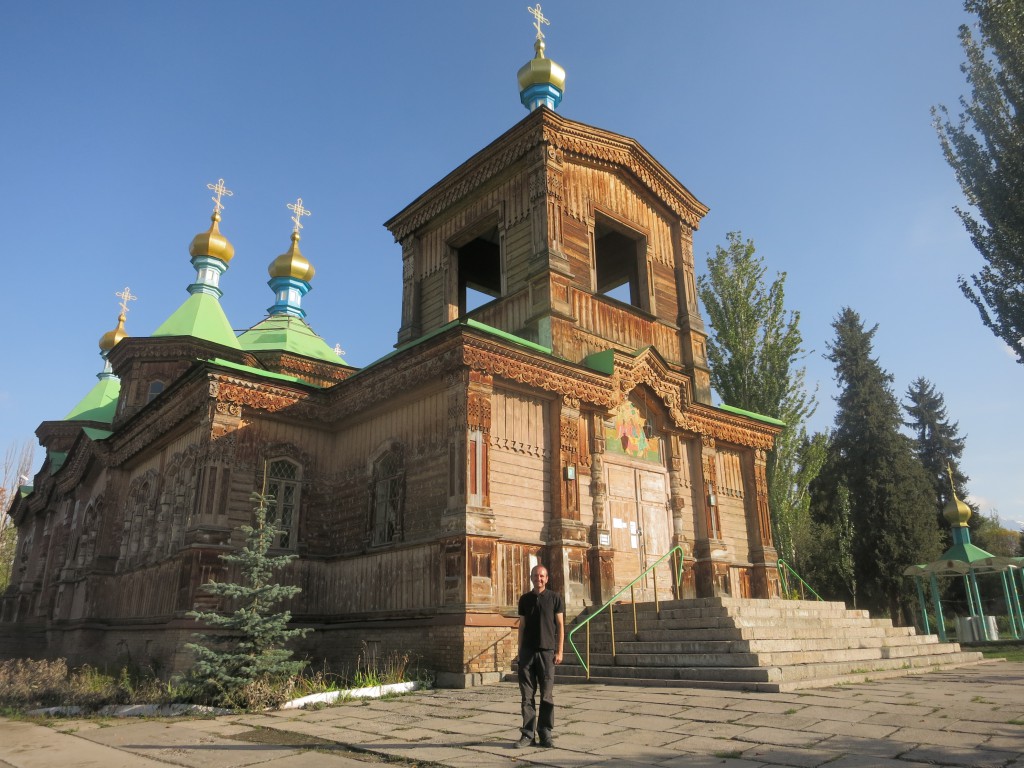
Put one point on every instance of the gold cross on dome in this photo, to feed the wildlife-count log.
(220, 189)
(125, 296)
(299, 213)
(539, 16)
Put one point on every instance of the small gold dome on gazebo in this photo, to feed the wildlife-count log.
(956, 512)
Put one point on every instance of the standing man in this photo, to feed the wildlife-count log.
(541, 635)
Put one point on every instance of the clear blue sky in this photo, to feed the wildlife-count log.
(804, 124)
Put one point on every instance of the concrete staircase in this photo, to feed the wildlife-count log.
(756, 645)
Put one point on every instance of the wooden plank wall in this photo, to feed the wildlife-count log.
(520, 457)
(406, 579)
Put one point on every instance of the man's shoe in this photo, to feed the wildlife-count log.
(524, 741)
(546, 742)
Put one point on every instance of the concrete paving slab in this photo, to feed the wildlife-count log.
(787, 722)
(790, 757)
(857, 730)
(712, 730)
(976, 758)
(710, 745)
(937, 737)
(700, 761)
(27, 745)
(834, 713)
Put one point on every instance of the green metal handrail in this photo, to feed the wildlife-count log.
(785, 570)
(676, 553)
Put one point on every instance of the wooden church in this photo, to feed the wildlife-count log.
(566, 421)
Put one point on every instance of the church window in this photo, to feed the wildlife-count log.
(479, 264)
(155, 388)
(386, 496)
(618, 254)
(283, 484)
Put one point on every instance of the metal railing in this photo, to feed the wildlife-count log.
(676, 553)
(801, 588)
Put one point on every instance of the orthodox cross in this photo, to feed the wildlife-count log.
(539, 16)
(299, 213)
(338, 350)
(125, 296)
(220, 189)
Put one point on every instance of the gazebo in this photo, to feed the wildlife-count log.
(966, 560)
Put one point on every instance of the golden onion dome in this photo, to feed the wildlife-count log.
(292, 263)
(956, 512)
(541, 71)
(110, 338)
(212, 243)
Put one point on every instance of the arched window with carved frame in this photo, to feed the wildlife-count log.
(387, 497)
(284, 482)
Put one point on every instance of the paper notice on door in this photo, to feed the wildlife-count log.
(633, 541)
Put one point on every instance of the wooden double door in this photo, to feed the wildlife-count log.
(641, 525)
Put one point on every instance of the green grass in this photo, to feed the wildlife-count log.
(1009, 651)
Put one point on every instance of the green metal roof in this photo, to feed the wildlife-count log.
(965, 552)
(57, 459)
(202, 317)
(96, 434)
(469, 324)
(288, 333)
(751, 415)
(261, 372)
(99, 404)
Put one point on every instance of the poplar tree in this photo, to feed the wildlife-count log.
(986, 150)
(753, 352)
(891, 506)
(937, 444)
(244, 663)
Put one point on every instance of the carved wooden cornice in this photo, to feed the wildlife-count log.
(730, 428)
(564, 136)
(231, 392)
(319, 372)
(142, 429)
(81, 455)
(537, 371)
(401, 373)
(612, 150)
(171, 348)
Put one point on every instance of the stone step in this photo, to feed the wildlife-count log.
(624, 622)
(601, 633)
(819, 677)
(667, 642)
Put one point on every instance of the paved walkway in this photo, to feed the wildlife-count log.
(973, 716)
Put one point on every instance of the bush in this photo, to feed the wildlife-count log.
(32, 684)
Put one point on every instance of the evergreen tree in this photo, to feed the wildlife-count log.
(891, 506)
(752, 353)
(937, 445)
(986, 150)
(244, 664)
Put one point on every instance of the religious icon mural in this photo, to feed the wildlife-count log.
(630, 434)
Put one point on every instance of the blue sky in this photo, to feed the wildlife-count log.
(803, 124)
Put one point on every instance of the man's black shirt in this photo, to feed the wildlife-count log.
(538, 612)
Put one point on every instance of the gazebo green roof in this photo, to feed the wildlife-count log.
(287, 333)
(99, 404)
(202, 317)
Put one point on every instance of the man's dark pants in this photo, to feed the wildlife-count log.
(537, 670)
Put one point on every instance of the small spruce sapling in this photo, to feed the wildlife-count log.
(246, 663)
